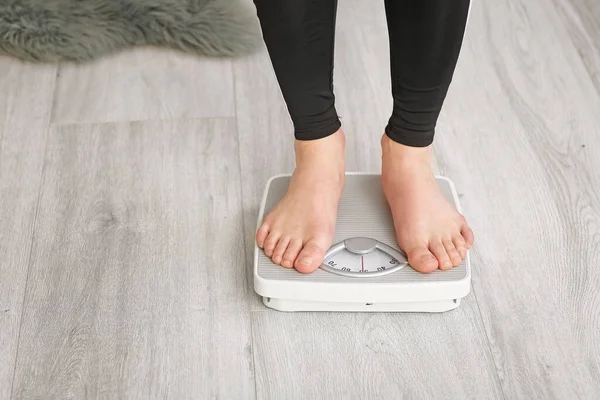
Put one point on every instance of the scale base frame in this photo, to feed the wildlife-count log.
(287, 305)
(405, 291)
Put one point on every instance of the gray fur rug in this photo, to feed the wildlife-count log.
(83, 30)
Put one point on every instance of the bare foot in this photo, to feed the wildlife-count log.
(300, 228)
(428, 228)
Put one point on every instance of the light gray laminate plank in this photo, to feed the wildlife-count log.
(521, 139)
(373, 356)
(144, 84)
(25, 106)
(266, 132)
(363, 100)
(266, 142)
(512, 136)
(137, 283)
(362, 81)
(265, 150)
(582, 21)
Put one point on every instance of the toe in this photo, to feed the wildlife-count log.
(311, 257)
(261, 235)
(270, 243)
(421, 259)
(460, 245)
(439, 251)
(289, 257)
(452, 252)
(467, 234)
(280, 249)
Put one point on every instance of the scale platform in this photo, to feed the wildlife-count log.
(364, 270)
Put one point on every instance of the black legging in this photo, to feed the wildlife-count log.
(425, 40)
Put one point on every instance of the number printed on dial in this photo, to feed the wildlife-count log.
(375, 261)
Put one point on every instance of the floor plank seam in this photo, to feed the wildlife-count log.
(233, 83)
(489, 344)
(253, 356)
(33, 229)
(138, 121)
(54, 95)
(245, 241)
(240, 172)
(258, 310)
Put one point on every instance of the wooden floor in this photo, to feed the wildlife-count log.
(129, 194)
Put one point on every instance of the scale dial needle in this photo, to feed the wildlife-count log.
(362, 261)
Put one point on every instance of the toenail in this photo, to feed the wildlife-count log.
(305, 261)
(447, 264)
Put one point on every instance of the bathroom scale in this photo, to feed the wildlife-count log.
(364, 270)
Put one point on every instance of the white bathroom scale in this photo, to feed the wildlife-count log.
(364, 270)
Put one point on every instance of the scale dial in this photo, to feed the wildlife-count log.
(363, 257)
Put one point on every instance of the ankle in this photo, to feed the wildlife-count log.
(330, 150)
(335, 140)
(402, 154)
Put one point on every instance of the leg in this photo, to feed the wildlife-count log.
(299, 36)
(425, 41)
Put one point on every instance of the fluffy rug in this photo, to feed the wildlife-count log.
(82, 30)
